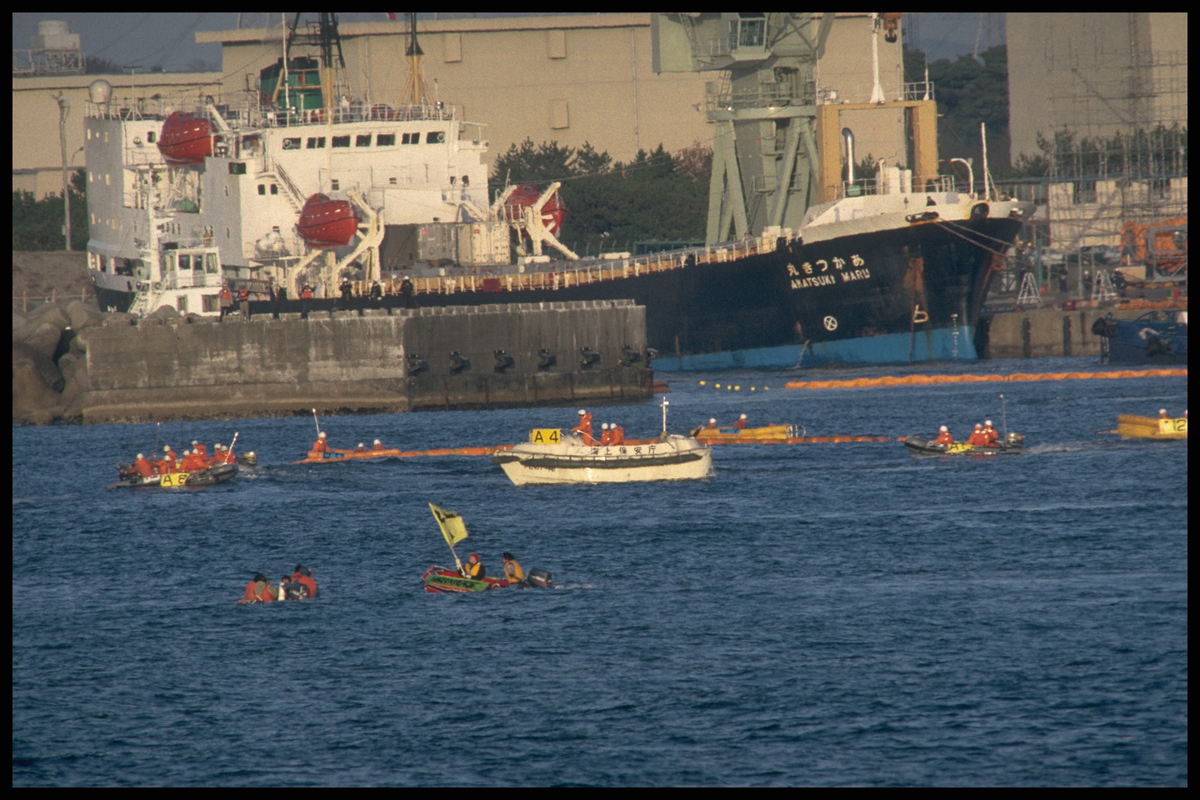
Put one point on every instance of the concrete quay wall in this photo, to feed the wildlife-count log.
(1050, 332)
(340, 362)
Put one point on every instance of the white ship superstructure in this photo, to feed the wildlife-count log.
(228, 180)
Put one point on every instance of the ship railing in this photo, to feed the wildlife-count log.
(272, 117)
(269, 248)
(550, 275)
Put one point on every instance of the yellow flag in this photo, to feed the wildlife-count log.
(451, 524)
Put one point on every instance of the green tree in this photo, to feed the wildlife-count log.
(610, 206)
(38, 224)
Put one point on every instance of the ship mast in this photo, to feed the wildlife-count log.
(416, 93)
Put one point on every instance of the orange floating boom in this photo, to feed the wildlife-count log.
(925, 380)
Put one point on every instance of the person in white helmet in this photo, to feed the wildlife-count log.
(617, 433)
(741, 423)
(944, 436)
(991, 437)
(377, 447)
(143, 467)
(320, 446)
(605, 434)
(584, 428)
(712, 424)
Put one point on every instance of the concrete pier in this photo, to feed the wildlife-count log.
(418, 359)
(1049, 332)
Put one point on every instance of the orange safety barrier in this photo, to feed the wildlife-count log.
(925, 380)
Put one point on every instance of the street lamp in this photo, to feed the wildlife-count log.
(64, 108)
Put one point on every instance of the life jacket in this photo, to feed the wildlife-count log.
(991, 437)
(944, 438)
(143, 467)
(513, 572)
(474, 571)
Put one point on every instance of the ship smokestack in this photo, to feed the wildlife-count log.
(848, 135)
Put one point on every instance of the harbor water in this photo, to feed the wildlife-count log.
(816, 614)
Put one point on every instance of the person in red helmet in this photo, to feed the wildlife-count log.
(473, 568)
(944, 436)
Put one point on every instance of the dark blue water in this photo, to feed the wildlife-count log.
(813, 614)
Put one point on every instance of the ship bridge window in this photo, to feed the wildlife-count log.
(151, 136)
(362, 140)
(210, 264)
(340, 141)
(408, 138)
(385, 140)
(316, 142)
(274, 188)
(262, 188)
(291, 143)
(435, 137)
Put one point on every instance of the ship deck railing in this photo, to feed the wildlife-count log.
(159, 107)
(554, 276)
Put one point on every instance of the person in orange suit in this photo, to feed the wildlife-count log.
(170, 460)
(584, 428)
(605, 434)
(377, 447)
(977, 437)
(143, 467)
(741, 423)
(200, 449)
(618, 433)
(321, 445)
(989, 433)
(303, 576)
(712, 425)
(191, 462)
(944, 436)
(259, 590)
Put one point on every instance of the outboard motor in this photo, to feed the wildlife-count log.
(539, 578)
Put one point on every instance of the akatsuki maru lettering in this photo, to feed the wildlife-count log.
(813, 273)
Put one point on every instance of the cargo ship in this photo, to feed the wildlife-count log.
(290, 202)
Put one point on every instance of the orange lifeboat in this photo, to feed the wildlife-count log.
(186, 140)
(325, 222)
(553, 213)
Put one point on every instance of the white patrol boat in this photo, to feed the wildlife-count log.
(552, 456)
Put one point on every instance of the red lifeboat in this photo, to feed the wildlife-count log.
(186, 140)
(524, 196)
(327, 223)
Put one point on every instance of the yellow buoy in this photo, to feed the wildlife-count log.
(701, 383)
(737, 388)
(717, 385)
